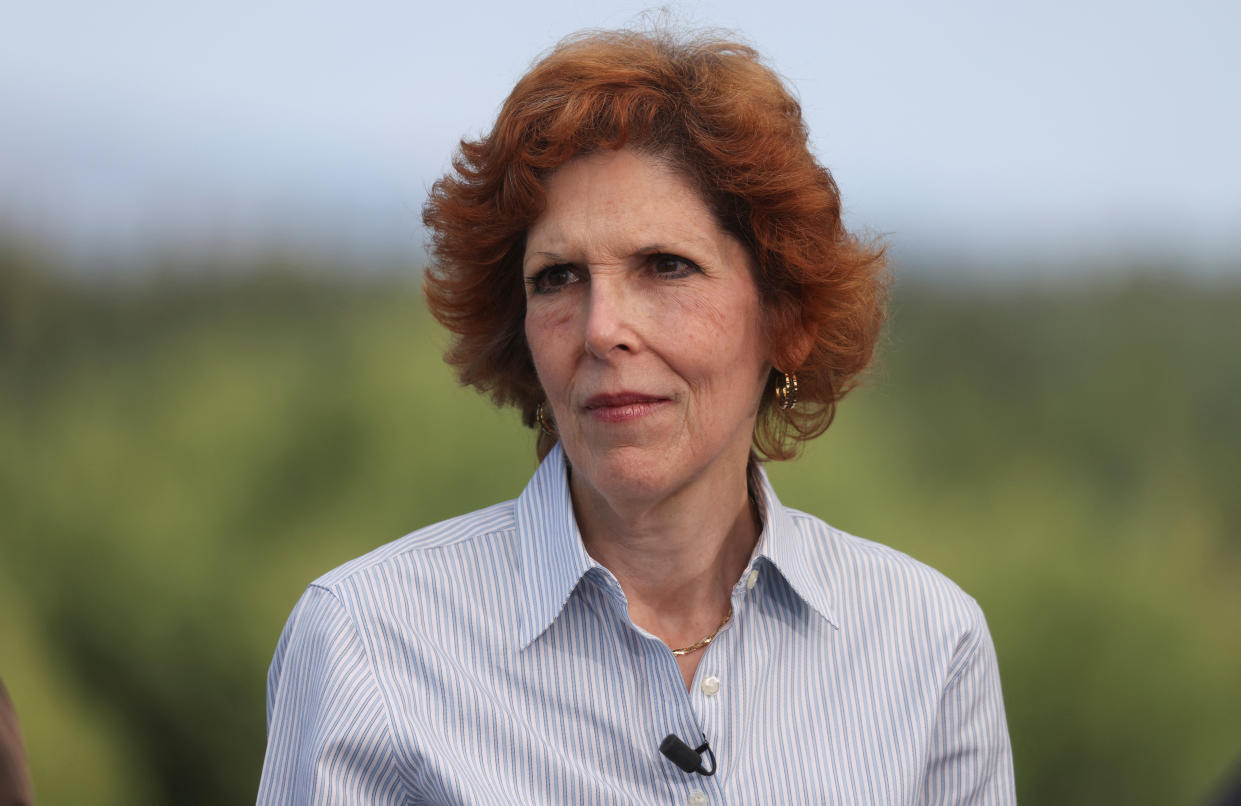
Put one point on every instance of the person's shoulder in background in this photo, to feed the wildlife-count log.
(15, 787)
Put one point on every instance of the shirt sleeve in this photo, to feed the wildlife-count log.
(970, 760)
(329, 739)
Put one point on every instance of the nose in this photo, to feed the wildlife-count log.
(610, 315)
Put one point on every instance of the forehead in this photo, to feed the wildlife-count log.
(622, 199)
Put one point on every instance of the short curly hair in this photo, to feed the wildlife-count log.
(716, 113)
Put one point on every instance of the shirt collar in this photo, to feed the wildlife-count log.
(553, 558)
(783, 545)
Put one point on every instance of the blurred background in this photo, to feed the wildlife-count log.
(218, 379)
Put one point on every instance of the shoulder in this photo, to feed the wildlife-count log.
(456, 538)
(902, 622)
(417, 578)
(868, 581)
(413, 580)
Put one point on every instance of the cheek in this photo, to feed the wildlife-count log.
(706, 316)
(720, 350)
(547, 334)
(719, 325)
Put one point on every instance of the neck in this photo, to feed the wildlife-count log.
(677, 557)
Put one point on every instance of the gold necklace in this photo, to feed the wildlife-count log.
(694, 647)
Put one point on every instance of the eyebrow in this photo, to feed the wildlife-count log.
(649, 249)
(557, 258)
(552, 256)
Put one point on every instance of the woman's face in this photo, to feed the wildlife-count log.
(644, 323)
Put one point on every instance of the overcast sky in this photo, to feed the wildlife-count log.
(1048, 132)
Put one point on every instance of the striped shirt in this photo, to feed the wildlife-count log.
(489, 659)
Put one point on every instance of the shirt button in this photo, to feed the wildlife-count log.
(751, 579)
(711, 686)
(696, 799)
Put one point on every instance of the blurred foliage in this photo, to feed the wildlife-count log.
(181, 453)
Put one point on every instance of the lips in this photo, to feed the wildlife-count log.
(620, 399)
(620, 407)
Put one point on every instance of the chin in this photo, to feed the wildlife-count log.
(626, 472)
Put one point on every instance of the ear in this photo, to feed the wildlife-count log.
(796, 350)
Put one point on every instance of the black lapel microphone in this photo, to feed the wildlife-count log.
(686, 757)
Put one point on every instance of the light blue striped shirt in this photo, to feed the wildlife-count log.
(489, 660)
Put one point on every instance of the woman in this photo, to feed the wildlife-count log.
(643, 257)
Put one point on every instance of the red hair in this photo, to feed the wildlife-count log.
(727, 122)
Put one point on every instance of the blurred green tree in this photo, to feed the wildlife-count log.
(180, 453)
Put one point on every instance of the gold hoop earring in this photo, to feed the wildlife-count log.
(786, 392)
(547, 425)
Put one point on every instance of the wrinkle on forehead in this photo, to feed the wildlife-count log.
(600, 217)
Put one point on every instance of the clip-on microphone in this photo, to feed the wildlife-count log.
(685, 757)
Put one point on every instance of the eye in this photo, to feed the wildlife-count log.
(672, 266)
(552, 279)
